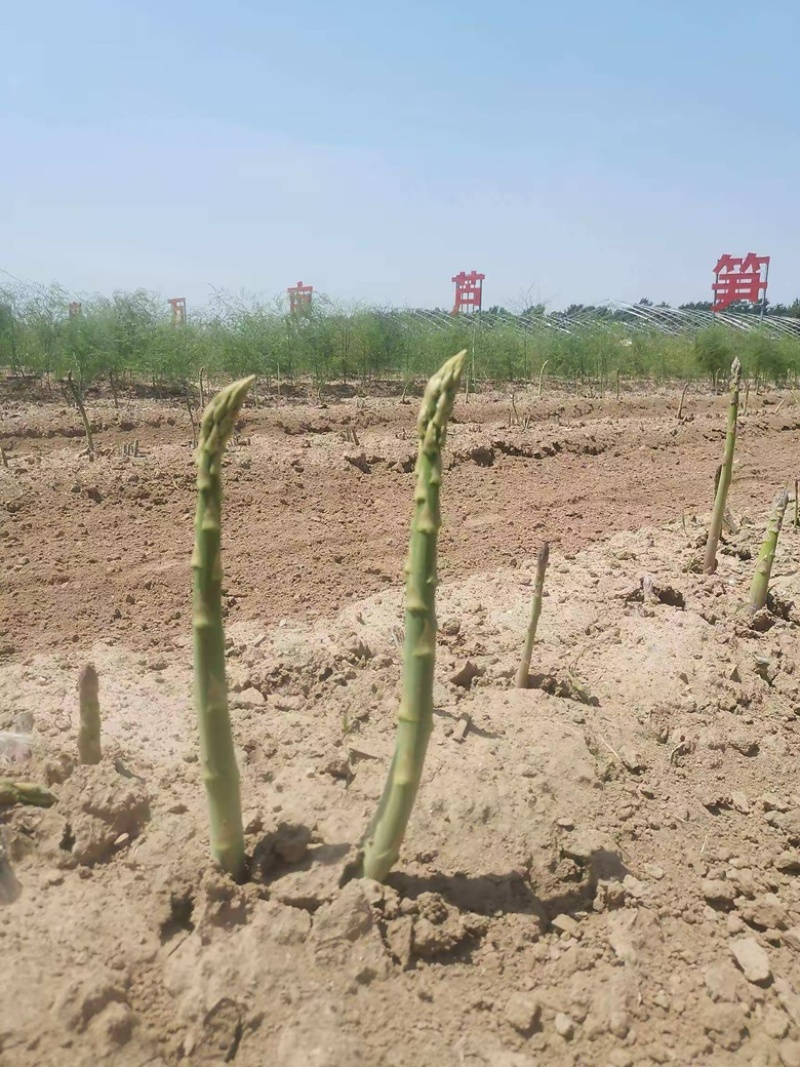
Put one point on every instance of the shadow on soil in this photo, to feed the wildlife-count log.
(513, 893)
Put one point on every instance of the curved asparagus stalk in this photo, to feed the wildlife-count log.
(12, 792)
(536, 610)
(77, 397)
(89, 750)
(718, 515)
(760, 584)
(217, 758)
(381, 845)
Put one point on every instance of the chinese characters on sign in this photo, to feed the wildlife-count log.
(178, 304)
(300, 297)
(469, 291)
(739, 279)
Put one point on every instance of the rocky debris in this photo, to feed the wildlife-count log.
(725, 1025)
(567, 925)
(775, 1023)
(439, 928)
(744, 743)
(359, 461)
(466, 675)
(101, 808)
(632, 760)
(723, 982)
(752, 959)
(719, 893)
(567, 686)
(564, 1026)
(344, 934)
(285, 846)
(766, 912)
(248, 698)
(523, 1012)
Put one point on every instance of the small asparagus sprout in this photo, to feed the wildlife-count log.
(536, 610)
(683, 397)
(217, 757)
(192, 420)
(76, 396)
(796, 503)
(381, 845)
(718, 515)
(89, 750)
(760, 584)
(541, 377)
(12, 792)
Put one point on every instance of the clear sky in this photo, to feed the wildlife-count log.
(571, 151)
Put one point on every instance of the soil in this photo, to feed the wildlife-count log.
(603, 868)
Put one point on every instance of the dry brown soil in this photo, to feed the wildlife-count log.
(602, 869)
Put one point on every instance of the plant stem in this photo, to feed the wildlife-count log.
(89, 750)
(718, 515)
(536, 610)
(541, 377)
(192, 420)
(217, 758)
(683, 396)
(760, 584)
(76, 396)
(12, 792)
(381, 845)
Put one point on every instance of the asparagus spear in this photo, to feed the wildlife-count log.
(89, 750)
(381, 845)
(217, 757)
(536, 610)
(760, 584)
(718, 515)
(12, 792)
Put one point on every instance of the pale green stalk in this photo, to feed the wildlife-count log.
(536, 610)
(718, 515)
(760, 584)
(217, 758)
(381, 845)
(89, 750)
(12, 792)
(76, 396)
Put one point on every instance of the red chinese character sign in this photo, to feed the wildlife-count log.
(300, 297)
(469, 291)
(178, 304)
(739, 279)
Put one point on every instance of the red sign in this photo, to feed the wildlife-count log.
(469, 291)
(739, 279)
(299, 297)
(178, 304)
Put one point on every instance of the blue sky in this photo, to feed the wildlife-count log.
(570, 151)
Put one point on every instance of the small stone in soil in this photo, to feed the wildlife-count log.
(523, 1012)
(565, 1027)
(752, 959)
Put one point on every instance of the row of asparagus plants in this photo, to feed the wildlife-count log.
(380, 846)
(131, 336)
(381, 843)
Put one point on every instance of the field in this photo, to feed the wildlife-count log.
(601, 869)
